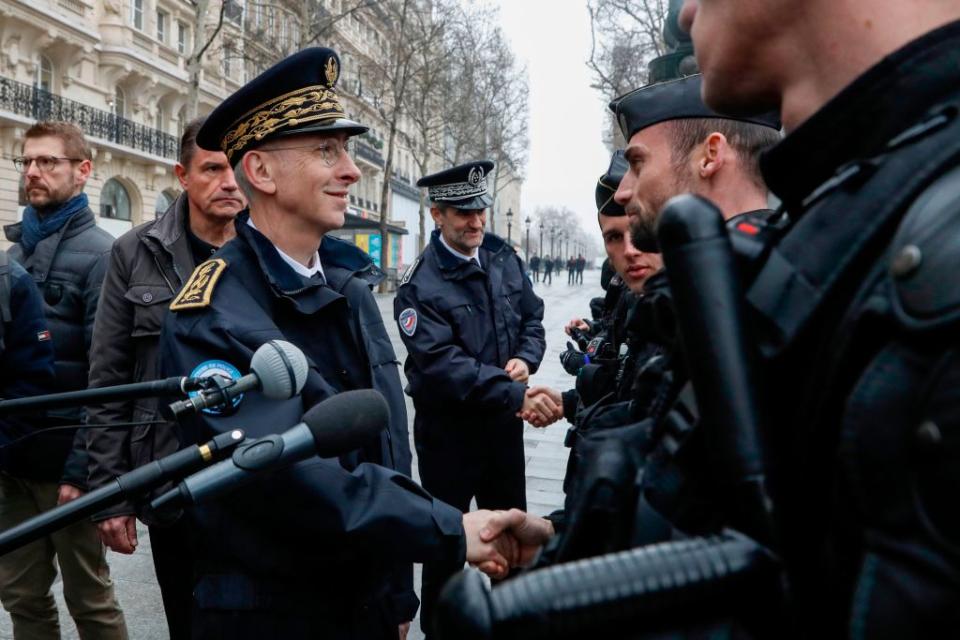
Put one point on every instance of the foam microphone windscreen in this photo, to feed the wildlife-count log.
(347, 421)
(281, 368)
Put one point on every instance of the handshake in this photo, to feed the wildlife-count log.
(500, 540)
(542, 406)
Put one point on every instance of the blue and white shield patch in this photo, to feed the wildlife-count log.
(408, 321)
(216, 368)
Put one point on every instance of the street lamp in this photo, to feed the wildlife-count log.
(553, 234)
(509, 224)
(568, 244)
(527, 222)
(540, 246)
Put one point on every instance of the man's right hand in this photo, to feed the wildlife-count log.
(576, 323)
(528, 532)
(542, 406)
(495, 555)
(119, 533)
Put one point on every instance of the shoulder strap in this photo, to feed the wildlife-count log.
(796, 280)
(198, 291)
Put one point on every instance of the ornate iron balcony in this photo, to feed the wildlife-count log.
(26, 100)
(367, 152)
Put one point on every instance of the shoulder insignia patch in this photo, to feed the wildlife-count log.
(198, 291)
(408, 321)
(408, 274)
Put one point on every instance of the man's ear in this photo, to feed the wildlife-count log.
(437, 216)
(181, 173)
(84, 169)
(260, 170)
(713, 155)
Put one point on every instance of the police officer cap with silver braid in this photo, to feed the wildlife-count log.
(295, 96)
(461, 187)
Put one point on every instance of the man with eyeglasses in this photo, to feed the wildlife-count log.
(324, 548)
(61, 247)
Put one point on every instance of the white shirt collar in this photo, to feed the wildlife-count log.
(462, 256)
(306, 272)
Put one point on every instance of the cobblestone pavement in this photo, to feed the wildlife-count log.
(546, 459)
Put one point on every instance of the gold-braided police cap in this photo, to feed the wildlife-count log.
(295, 96)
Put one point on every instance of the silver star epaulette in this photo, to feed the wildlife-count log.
(198, 291)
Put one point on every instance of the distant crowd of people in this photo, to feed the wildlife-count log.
(551, 265)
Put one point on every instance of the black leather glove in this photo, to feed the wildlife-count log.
(572, 359)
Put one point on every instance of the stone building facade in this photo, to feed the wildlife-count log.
(121, 70)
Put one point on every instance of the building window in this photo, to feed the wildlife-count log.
(181, 121)
(233, 11)
(164, 200)
(120, 103)
(136, 14)
(43, 79)
(161, 119)
(114, 201)
(181, 37)
(227, 54)
(162, 19)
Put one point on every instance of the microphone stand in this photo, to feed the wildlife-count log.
(129, 485)
(151, 388)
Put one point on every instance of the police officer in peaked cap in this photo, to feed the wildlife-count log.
(324, 548)
(474, 334)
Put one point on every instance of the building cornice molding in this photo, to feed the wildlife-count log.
(25, 11)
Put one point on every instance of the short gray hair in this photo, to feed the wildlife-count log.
(243, 183)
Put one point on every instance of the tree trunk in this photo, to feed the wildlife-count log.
(385, 194)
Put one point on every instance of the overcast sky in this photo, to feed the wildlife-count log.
(566, 116)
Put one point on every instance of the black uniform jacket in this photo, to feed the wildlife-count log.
(461, 323)
(26, 352)
(335, 527)
(857, 311)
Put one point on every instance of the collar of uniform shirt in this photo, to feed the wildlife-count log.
(306, 272)
(462, 256)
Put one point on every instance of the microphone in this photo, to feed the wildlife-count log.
(339, 424)
(128, 486)
(278, 369)
(165, 387)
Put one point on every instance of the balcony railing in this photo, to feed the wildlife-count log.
(29, 101)
(404, 188)
(365, 151)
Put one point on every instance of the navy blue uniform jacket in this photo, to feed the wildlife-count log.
(337, 527)
(26, 352)
(469, 321)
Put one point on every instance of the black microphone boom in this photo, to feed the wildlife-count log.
(339, 424)
(151, 388)
(129, 485)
